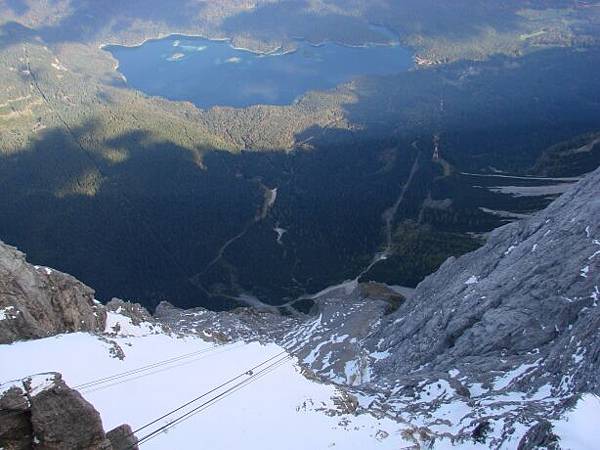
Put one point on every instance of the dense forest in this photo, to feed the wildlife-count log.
(149, 199)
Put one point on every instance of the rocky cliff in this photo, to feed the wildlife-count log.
(36, 301)
(529, 296)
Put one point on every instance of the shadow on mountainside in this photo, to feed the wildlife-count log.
(149, 225)
(502, 113)
(123, 228)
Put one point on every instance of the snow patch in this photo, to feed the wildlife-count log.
(4, 313)
(356, 373)
(121, 325)
(477, 389)
(40, 383)
(59, 66)
(436, 390)
(578, 428)
(472, 280)
(578, 355)
(47, 270)
(280, 232)
(595, 295)
(505, 380)
(596, 253)
(380, 355)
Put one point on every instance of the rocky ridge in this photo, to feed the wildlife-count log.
(492, 349)
(521, 298)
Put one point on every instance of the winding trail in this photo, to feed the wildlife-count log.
(390, 214)
(270, 195)
(388, 217)
(226, 245)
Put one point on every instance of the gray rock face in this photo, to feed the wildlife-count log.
(529, 296)
(505, 337)
(36, 302)
(220, 327)
(539, 436)
(41, 412)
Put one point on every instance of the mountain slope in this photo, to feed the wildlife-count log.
(507, 336)
(532, 286)
(280, 409)
(498, 349)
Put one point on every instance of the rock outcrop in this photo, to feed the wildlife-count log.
(136, 312)
(528, 297)
(122, 438)
(41, 412)
(539, 436)
(37, 302)
(224, 326)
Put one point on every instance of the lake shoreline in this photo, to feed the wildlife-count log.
(307, 67)
(273, 52)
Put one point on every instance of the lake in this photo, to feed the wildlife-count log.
(209, 73)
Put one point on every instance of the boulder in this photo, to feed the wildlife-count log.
(122, 438)
(41, 412)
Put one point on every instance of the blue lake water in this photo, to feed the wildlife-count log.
(209, 73)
